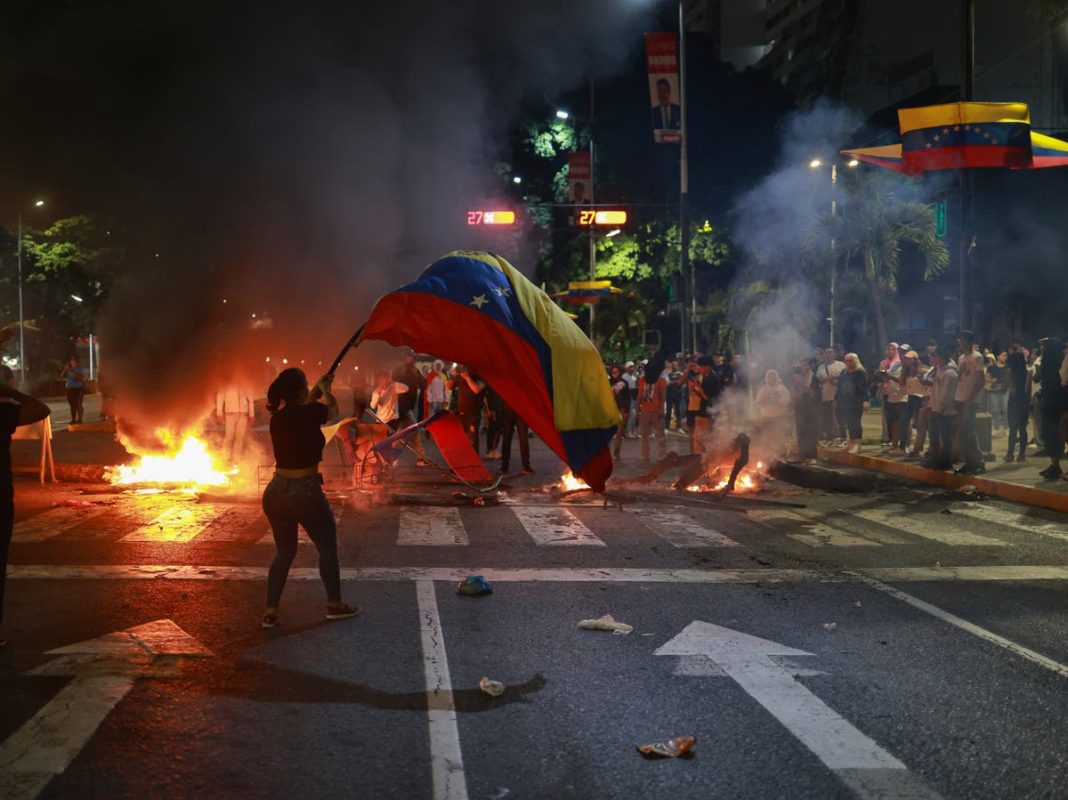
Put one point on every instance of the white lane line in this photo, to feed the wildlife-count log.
(1014, 520)
(52, 523)
(183, 572)
(338, 509)
(446, 758)
(431, 527)
(46, 744)
(175, 525)
(970, 627)
(232, 525)
(554, 526)
(820, 534)
(921, 524)
(986, 573)
(680, 530)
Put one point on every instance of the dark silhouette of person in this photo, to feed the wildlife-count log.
(666, 115)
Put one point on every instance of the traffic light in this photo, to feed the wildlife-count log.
(490, 217)
(589, 216)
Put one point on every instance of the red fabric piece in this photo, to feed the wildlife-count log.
(917, 162)
(451, 439)
(597, 470)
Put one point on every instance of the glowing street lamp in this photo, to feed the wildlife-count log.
(815, 163)
(561, 114)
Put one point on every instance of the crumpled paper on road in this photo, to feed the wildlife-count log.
(673, 748)
(490, 687)
(606, 623)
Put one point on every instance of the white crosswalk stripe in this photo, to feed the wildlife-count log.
(554, 526)
(683, 531)
(822, 534)
(431, 527)
(1013, 519)
(934, 527)
(52, 523)
(176, 525)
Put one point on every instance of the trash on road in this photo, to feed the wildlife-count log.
(474, 585)
(492, 688)
(479, 500)
(830, 626)
(606, 623)
(856, 604)
(501, 793)
(673, 748)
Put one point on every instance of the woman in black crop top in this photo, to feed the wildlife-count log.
(295, 494)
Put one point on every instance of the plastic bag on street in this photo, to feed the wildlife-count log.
(492, 688)
(606, 623)
(474, 585)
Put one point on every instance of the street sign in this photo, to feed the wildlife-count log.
(490, 217)
(589, 216)
(104, 671)
(755, 664)
(940, 218)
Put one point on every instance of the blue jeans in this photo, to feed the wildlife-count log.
(997, 403)
(289, 502)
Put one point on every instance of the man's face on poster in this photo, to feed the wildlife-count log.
(663, 93)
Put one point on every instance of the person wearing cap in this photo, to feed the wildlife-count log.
(908, 381)
(892, 357)
(971, 372)
(896, 401)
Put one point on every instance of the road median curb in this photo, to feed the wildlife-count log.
(1017, 493)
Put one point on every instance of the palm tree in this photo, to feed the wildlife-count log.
(622, 316)
(875, 220)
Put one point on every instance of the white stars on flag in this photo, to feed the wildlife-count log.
(503, 291)
(478, 301)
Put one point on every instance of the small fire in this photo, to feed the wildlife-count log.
(190, 464)
(747, 481)
(569, 483)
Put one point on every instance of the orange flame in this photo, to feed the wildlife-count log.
(569, 483)
(189, 463)
(747, 481)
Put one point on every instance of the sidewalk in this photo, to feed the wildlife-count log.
(1020, 483)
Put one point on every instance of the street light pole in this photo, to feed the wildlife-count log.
(684, 191)
(834, 255)
(593, 247)
(22, 321)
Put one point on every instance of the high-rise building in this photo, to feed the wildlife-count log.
(873, 54)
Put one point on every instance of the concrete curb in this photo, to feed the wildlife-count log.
(1017, 493)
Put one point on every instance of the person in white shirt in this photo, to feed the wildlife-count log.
(435, 389)
(827, 373)
(236, 411)
(971, 371)
(385, 399)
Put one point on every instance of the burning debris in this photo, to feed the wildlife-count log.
(187, 463)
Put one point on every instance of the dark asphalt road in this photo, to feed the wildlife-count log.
(961, 687)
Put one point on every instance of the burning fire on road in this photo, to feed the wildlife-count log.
(187, 463)
(748, 481)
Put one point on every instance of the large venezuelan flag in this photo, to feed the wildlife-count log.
(965, 135)
(477, 309)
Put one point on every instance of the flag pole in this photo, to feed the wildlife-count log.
(351, 343)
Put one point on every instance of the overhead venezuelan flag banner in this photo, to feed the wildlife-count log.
(579, 292)
(965, 135)
(477, 309)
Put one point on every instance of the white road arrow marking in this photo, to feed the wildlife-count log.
(104, 671)
(869, 770)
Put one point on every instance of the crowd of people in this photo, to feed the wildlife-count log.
(929, 400)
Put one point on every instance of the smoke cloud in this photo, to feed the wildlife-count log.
(297, 166)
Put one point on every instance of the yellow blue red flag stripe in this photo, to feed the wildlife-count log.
(477, 309)
(965, 135)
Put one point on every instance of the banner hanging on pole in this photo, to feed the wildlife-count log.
(662, 63)
(579, 177)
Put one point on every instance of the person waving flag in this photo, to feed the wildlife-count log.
(477, 309)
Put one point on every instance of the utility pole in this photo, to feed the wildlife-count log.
(964, 179)
(22, 319)
(834, 254)
(593, 247)
(684, 191)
